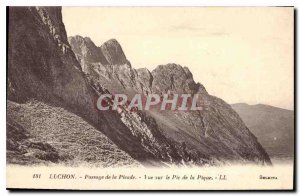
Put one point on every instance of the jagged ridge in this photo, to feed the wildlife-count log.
(216, 133)
(42, 66)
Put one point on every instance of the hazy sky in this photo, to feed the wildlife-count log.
(238, 54)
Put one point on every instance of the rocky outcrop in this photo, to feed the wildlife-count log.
(109, 53)
(42, 67)
(41, 64)
(173, 78)
(113, 52)
(86, 51)
(214, 135)
(115, 67)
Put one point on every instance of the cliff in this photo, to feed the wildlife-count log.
(216, 133)
(45, 75)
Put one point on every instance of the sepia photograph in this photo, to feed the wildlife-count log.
(150, 98)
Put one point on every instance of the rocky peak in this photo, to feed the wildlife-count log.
(112, 63)
(86, 51)
(109, 53)
(113, 52)
(173, 78)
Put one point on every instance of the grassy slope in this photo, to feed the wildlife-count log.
(274, 128)
(39, 133)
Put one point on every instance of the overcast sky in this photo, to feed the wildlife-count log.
(238, 54)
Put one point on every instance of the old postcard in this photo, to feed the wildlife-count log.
(150, 98)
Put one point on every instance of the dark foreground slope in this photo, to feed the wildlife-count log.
(215, 134)
(40, 133)
(274, 128)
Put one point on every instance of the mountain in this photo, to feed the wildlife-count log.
(274, 128)
(216, 134)
(53, 84)
(42, 67)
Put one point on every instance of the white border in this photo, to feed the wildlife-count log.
(5, 3)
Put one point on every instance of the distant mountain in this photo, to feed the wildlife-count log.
(274, 128)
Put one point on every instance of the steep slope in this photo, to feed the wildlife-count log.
(40, 133)
(42, 67)
(274, 128)
(215, 134)
(41, 63)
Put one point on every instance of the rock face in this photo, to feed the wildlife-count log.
(110, 53)
(86, 51)
(173, 78)
(41, 64)
(215, 135)
(43, 68)
(113, 52)
(274, 128)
